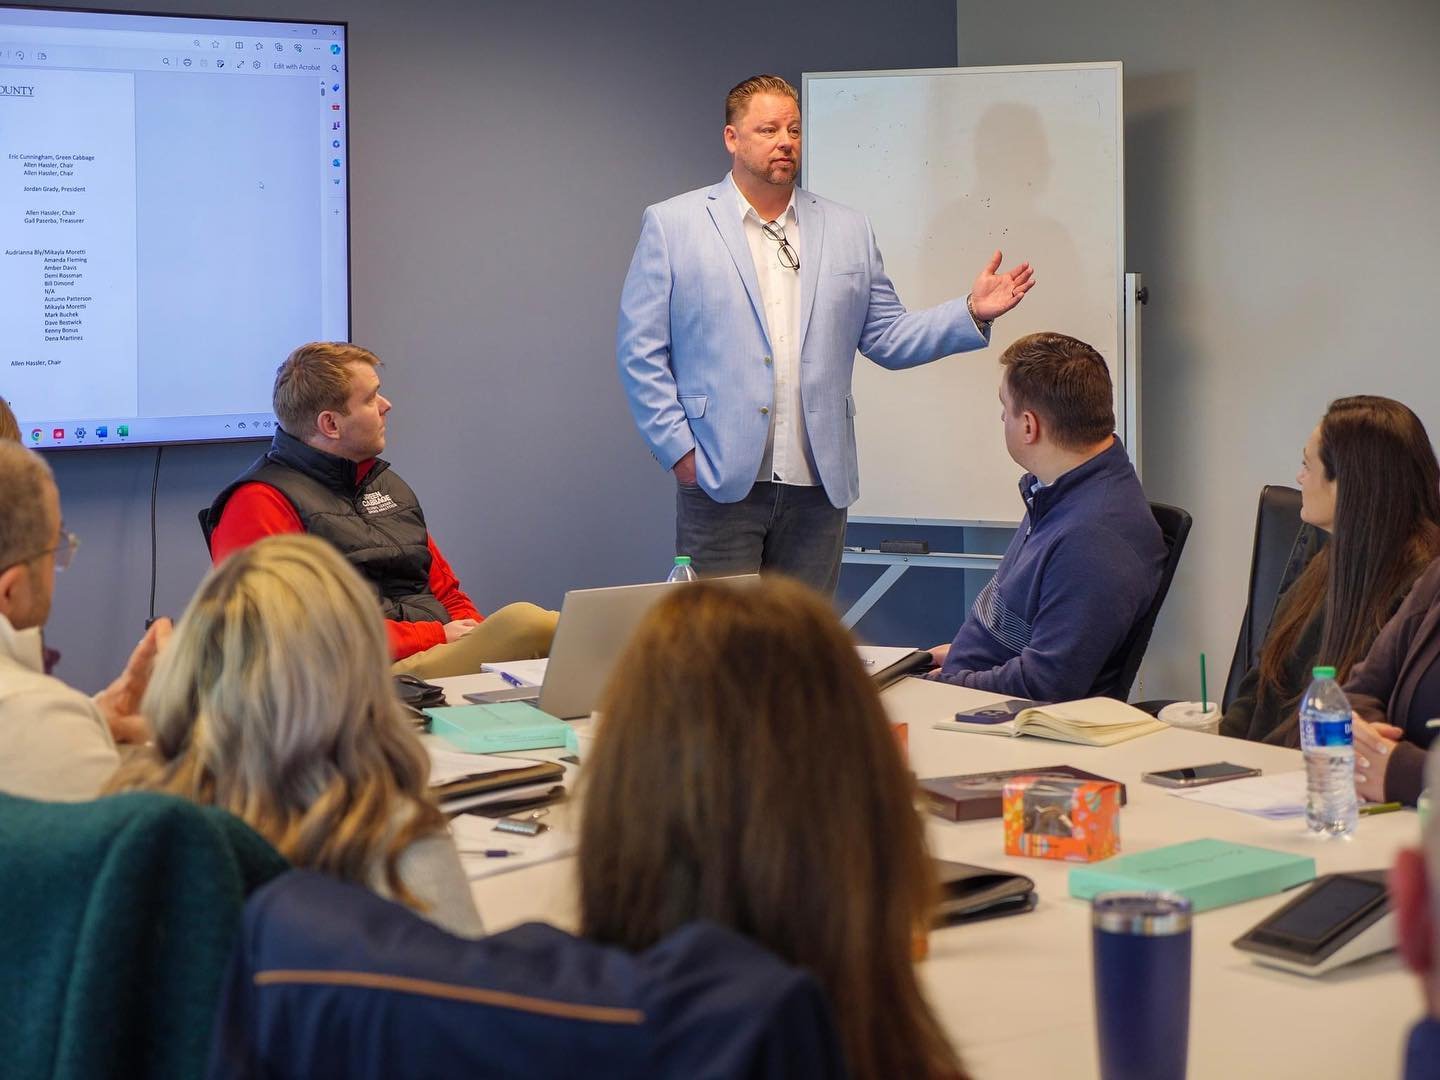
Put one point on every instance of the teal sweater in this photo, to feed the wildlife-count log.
(117, 919)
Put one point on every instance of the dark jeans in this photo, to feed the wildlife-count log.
(776, 527)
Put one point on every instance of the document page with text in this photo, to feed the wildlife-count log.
(67, 240)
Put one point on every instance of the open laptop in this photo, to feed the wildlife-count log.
(594, 628)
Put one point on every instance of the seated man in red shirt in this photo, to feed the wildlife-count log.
(322, 476)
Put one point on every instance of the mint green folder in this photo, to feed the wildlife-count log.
(494, 729)
(1210, 873)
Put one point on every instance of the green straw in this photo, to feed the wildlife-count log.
(1204, 699)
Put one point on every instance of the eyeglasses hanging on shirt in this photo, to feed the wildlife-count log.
(789, 257)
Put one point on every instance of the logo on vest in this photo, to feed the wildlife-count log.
(376, 502)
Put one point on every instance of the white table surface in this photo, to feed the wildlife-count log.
(1015, 993)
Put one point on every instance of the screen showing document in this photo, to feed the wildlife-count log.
(173, 220)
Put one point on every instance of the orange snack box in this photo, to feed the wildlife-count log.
(1050, 818)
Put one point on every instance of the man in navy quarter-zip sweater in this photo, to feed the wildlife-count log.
(1086, 561)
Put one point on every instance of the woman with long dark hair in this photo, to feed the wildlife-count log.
(1369, 478)
(744, 773)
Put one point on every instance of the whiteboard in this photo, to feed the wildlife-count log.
(950, 164)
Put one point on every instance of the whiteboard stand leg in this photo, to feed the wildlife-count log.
(873, 594)
(1136, 296)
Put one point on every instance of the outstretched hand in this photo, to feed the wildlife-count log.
(993, 293)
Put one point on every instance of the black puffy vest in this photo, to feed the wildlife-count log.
(378, 525)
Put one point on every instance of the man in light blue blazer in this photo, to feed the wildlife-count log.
(740, 318)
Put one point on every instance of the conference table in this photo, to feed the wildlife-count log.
(1014, 993)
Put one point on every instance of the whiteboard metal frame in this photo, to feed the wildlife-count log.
(895, 567)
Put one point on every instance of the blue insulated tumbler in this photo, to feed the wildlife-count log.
(1142, 984)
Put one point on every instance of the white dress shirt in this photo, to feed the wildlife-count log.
(788, 459)
(54, 744)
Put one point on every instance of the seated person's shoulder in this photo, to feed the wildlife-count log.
(1097, 552)
(256, 494)
(1126, 513)
(253, 511)
(54, 744)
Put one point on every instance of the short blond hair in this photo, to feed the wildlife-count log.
(26, 530)
(274, 701)
(740, 94)
(315, 379)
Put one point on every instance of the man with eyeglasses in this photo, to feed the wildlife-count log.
(55, 742)
(740, 318)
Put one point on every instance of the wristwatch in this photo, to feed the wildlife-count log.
(983, 325)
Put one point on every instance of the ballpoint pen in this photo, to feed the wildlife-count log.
(511, 679)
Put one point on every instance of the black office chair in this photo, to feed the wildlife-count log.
(1284, 545)
(1175, 528)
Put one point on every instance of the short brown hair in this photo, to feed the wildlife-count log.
(740, 95)
(745, 772)
(313, 380)
(1066, 383)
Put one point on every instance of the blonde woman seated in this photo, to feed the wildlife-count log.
(744, 773)
(274, 701)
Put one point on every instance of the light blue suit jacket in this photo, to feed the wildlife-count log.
(693, 349)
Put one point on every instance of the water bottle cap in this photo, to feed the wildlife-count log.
(684, 560)
(1323, 672)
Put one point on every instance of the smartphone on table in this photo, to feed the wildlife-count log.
(1198, 775)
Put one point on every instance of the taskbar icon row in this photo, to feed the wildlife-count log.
(79, 434)
(168, 429)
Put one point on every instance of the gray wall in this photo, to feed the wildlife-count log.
(1283, 202)
(501, 156)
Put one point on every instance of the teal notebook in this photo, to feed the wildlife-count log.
(1210, 873)
(494, 729)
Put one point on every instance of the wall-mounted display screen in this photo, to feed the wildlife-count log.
(173, 220)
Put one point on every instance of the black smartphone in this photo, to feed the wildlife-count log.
(1198, 775)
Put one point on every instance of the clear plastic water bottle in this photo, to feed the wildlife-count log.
(1327, 741)
(682, 570)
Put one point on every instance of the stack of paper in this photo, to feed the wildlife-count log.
(1277, 796)
(448, 765)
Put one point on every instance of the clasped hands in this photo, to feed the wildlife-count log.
(1374, 745)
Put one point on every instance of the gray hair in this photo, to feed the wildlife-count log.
(25, 526)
